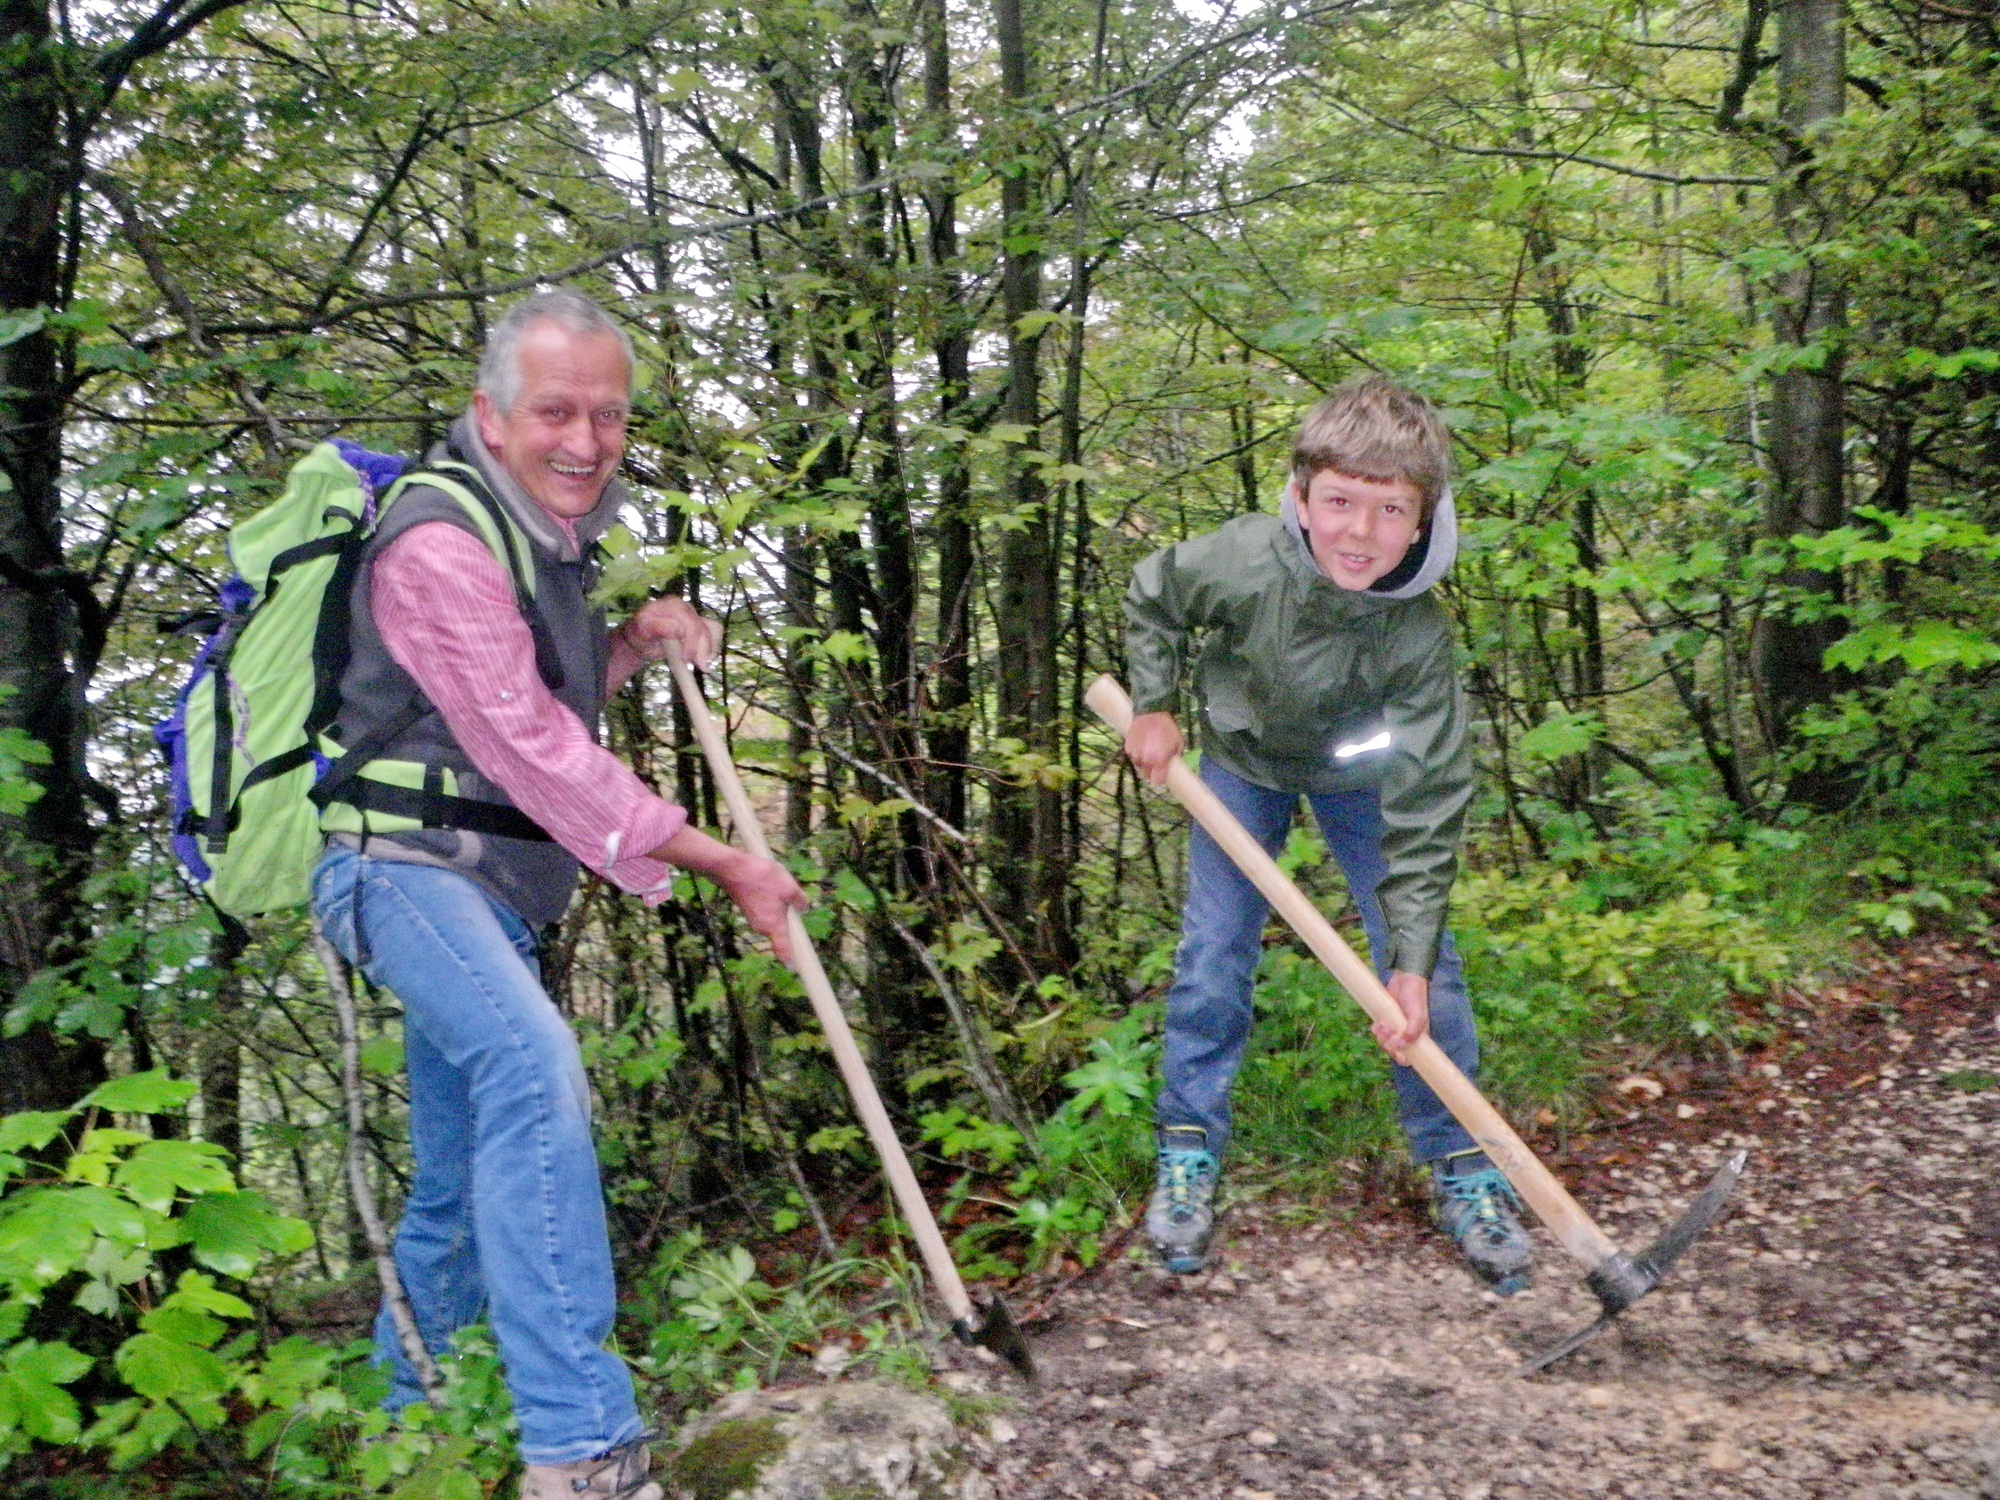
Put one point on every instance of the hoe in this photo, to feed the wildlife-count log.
(1616, 1278)
(993, 1328)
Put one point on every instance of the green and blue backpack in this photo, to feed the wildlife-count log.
(254, 771)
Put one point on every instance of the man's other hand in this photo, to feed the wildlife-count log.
(1153, 743)
(762, 888)
(661, 620)
(1413, 993)
(767, 895)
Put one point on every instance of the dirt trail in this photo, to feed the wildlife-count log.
(1834, 1336)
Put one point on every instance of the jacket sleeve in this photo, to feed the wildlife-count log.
(1426, 788)
(1172, 593)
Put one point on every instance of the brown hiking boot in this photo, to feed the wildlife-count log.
(617, 1475)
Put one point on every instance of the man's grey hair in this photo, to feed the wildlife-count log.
(500, 365)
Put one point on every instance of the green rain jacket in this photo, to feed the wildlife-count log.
(1308, 687)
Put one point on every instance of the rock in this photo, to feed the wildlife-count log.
(1723, 1456)
(856, 1440)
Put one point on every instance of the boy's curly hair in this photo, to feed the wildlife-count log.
(1373, 428)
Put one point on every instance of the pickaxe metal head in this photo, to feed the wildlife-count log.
(996, 1330)
(1624, 1279)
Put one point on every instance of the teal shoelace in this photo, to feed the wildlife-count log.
(1484, 1192)
(1186, 1173)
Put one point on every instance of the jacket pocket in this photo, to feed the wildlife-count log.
(1228, 709)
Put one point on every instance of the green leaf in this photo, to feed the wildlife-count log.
(1970, 1081)
(142, 1093)
(1115, 1080)
(112, 357)
(383, 1055)
(160, 1170)
(184, 1325)
(291, 1371)
(1925, 647)
(445, 1474)
(233, 1232)
(44, 1239)
(32, 1398)
(1561, 733)
(15, 326)
(197, 1291)
(165, 1369)
(32, 1129)
(852, 891)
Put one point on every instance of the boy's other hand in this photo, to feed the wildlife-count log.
(1153, 743)
(1413, 993)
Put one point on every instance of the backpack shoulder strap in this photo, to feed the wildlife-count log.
(504, 539)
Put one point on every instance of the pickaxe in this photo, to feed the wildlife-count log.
(1616, 1278)
(994, 1327)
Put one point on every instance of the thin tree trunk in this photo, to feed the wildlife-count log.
(1806, 494)
(1028, 817)
(949, 729)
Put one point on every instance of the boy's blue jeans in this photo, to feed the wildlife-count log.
(1222, 931)
(504, 1212)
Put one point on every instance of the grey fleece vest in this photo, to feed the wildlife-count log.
(536, 879)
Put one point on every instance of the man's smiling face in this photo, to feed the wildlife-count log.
(564, 434)
(1359, 529)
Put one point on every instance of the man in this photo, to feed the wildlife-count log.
(493, 692)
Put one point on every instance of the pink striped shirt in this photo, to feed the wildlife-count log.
(446, 611)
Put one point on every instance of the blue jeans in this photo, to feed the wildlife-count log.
(1222, 932)
(504, 1212)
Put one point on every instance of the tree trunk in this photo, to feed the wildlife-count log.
(950, 730)
(1806, 494)
(1028, 818)
(45, 851)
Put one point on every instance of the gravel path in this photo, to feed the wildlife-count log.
(1833, 1336)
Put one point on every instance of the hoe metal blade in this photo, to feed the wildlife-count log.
(1624, 1279)
(997, 1331)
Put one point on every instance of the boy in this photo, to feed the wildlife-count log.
(1326, 673)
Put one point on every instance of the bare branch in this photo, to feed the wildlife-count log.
(159, 31)
(1525, 153)
(141, 240)
(1749, 63)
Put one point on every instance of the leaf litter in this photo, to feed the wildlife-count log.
(1836, 1335)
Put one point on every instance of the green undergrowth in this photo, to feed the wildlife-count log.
(1693, 934)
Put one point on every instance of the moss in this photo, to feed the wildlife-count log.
(727, 1458)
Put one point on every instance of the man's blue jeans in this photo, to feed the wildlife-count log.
(1222, 931)
(505, 1211)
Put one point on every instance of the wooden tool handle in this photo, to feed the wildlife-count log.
(1506, 1150)
(826, 1005)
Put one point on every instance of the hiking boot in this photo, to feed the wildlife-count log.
(1181, 1217)
(1477, 1207)
(617, 1475)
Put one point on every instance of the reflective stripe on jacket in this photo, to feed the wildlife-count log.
(1293, 669)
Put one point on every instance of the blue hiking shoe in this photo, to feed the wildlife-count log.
(1181, 1218)
(1477, 1207)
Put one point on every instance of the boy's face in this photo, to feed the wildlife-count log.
(1359, 529)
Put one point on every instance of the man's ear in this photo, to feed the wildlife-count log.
(487, 420)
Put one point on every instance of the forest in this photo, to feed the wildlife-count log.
(948, 314)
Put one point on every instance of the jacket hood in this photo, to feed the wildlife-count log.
(1430, 557)
(566, 542)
